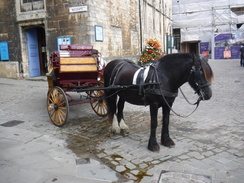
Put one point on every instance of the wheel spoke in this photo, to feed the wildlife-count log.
(54, 116)
(59, 98)
(56, 96)
(62, 111)
(54, 93)
(103, 110)
(62, 114)
(99, 110)
(51, 99)
(98, 104)
(58, 117)
(52, 112)
(62, 104)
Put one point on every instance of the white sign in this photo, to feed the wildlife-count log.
(77, 9)
(98, 33)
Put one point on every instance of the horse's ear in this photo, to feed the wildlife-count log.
(205, 58)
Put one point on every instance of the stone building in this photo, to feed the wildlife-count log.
(32, 29)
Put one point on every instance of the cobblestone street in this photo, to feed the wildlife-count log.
(209, 143)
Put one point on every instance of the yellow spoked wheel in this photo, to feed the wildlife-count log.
(57, 106)
(98, 103)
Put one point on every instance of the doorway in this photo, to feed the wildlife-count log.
(36, 48)
(191, 47)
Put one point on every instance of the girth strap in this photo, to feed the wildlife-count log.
(156, 91)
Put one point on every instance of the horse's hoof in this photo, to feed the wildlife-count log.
(115, 131)
(124, 132)
(168, 143)
(153, 145)
(154, 148)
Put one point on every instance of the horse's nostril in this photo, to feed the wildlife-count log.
(207, 96)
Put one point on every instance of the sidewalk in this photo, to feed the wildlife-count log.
(31, 148)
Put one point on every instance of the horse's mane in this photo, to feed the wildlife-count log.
(175, 57)
(208, 73)
(179, 57)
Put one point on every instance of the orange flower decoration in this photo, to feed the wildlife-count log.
(151, 52)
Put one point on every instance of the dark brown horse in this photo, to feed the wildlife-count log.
(156, 86)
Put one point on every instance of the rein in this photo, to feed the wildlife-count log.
(163, 96)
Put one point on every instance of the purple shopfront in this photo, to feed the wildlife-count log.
(224, 48)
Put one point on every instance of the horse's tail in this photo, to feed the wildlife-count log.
(110, 95)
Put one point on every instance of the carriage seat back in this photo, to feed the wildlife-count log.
(78, 64)
(75, 64)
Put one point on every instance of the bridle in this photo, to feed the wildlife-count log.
(199, 79)
(200, 82)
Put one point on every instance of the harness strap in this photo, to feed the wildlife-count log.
(141, 81)
(157, 91)
(162, 92)
(115, 72)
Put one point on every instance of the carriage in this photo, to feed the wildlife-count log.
(75, 68)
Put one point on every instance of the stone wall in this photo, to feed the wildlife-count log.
(9, 29)
(127, 25)
(9, 69)
(120, 19)
(59, 22)
(121, 26)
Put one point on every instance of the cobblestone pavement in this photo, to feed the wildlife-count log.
(209, 143)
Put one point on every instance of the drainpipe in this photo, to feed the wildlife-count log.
(164, 30)
(140, 24)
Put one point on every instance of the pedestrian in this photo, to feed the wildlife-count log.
(242, 55)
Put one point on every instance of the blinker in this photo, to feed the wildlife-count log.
(199, 77)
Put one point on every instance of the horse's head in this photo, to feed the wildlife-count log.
(201, 77)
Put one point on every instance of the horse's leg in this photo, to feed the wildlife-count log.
(152, 144)
(111, 103)
(123, 127)
(165, 139)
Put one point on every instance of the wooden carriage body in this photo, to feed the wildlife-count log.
(75, 66)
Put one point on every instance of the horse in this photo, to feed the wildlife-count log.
(155, 85)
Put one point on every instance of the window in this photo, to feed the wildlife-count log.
(30, 1)
(176, 33)
(31, 5)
